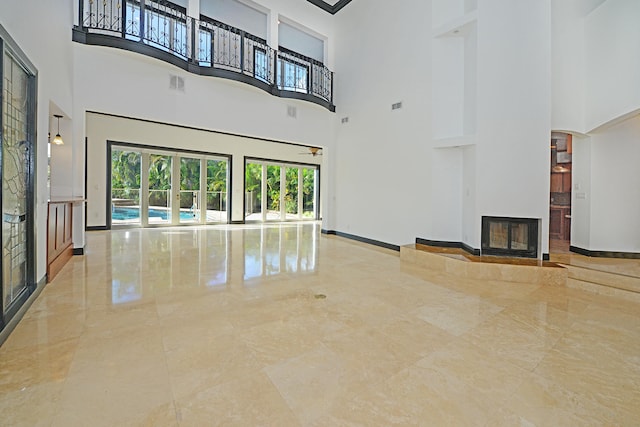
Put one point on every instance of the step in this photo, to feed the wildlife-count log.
(458, 263)
(603, 282)
(602, 289)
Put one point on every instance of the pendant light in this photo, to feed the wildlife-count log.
(58, 139)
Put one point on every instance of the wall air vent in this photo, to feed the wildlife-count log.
(292, 111)
(345, 120)
(396, 106)
(176, 83)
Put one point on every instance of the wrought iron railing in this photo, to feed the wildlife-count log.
(203, 46)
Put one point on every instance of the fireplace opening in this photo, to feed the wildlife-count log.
(513, 237)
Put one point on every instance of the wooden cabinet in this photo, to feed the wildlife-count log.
(561, 182)
(59, 236)
(560, 222)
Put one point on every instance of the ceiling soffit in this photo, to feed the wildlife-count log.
(328, 6)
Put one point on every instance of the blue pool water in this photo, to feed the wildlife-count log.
(125, 213)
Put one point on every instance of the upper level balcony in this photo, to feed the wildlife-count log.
(204, 46)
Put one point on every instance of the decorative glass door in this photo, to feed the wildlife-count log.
(17, 185)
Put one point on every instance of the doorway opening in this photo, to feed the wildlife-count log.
(560, 193)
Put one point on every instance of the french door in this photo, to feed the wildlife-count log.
(280, 191)
(154, 187)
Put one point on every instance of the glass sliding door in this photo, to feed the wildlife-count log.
(125, 186)
(18, 120)
(216, 190)
(189, 190)
(159, 197)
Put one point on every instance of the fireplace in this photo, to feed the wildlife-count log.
(515, 237)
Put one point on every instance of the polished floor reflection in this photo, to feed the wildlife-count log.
(223, 326)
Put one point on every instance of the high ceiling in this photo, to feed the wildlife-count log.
(331, 6)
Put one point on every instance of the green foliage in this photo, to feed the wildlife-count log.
(159, 180)
(253, 177)
(125, 175)
(126, 178)
(189, 174)
(291, 191)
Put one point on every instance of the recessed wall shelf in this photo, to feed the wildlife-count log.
(454, 141)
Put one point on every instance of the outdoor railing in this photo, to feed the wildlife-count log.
(162, 29)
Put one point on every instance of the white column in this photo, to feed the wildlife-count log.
(272, 28)
(193, 9)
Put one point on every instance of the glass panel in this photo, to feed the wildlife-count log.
(15, 160)
(204, 47)
(261, 67)
(520, 237)
(499, 235)
(125, 187)
(216, 190)
(273, 192)
(253, 192)
(159, 189)
(189, 190)
(308, 193)
(133, 21)
(291, 193)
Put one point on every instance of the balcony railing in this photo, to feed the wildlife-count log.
(204, 46)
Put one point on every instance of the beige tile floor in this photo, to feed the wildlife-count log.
(222, 326)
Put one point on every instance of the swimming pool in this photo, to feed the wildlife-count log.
(131, 213)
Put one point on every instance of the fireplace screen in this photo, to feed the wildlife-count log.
(510, 236)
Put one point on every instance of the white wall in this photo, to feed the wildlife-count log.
(568, 65)
(615, 179)
(446, 181)
(237, 14)
(581, 192)
(612, 63)
(383, 161)
(102, 128)
(514, 110)
(296, 39)
(51, 53)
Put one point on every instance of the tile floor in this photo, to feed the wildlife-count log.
(227, 326)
